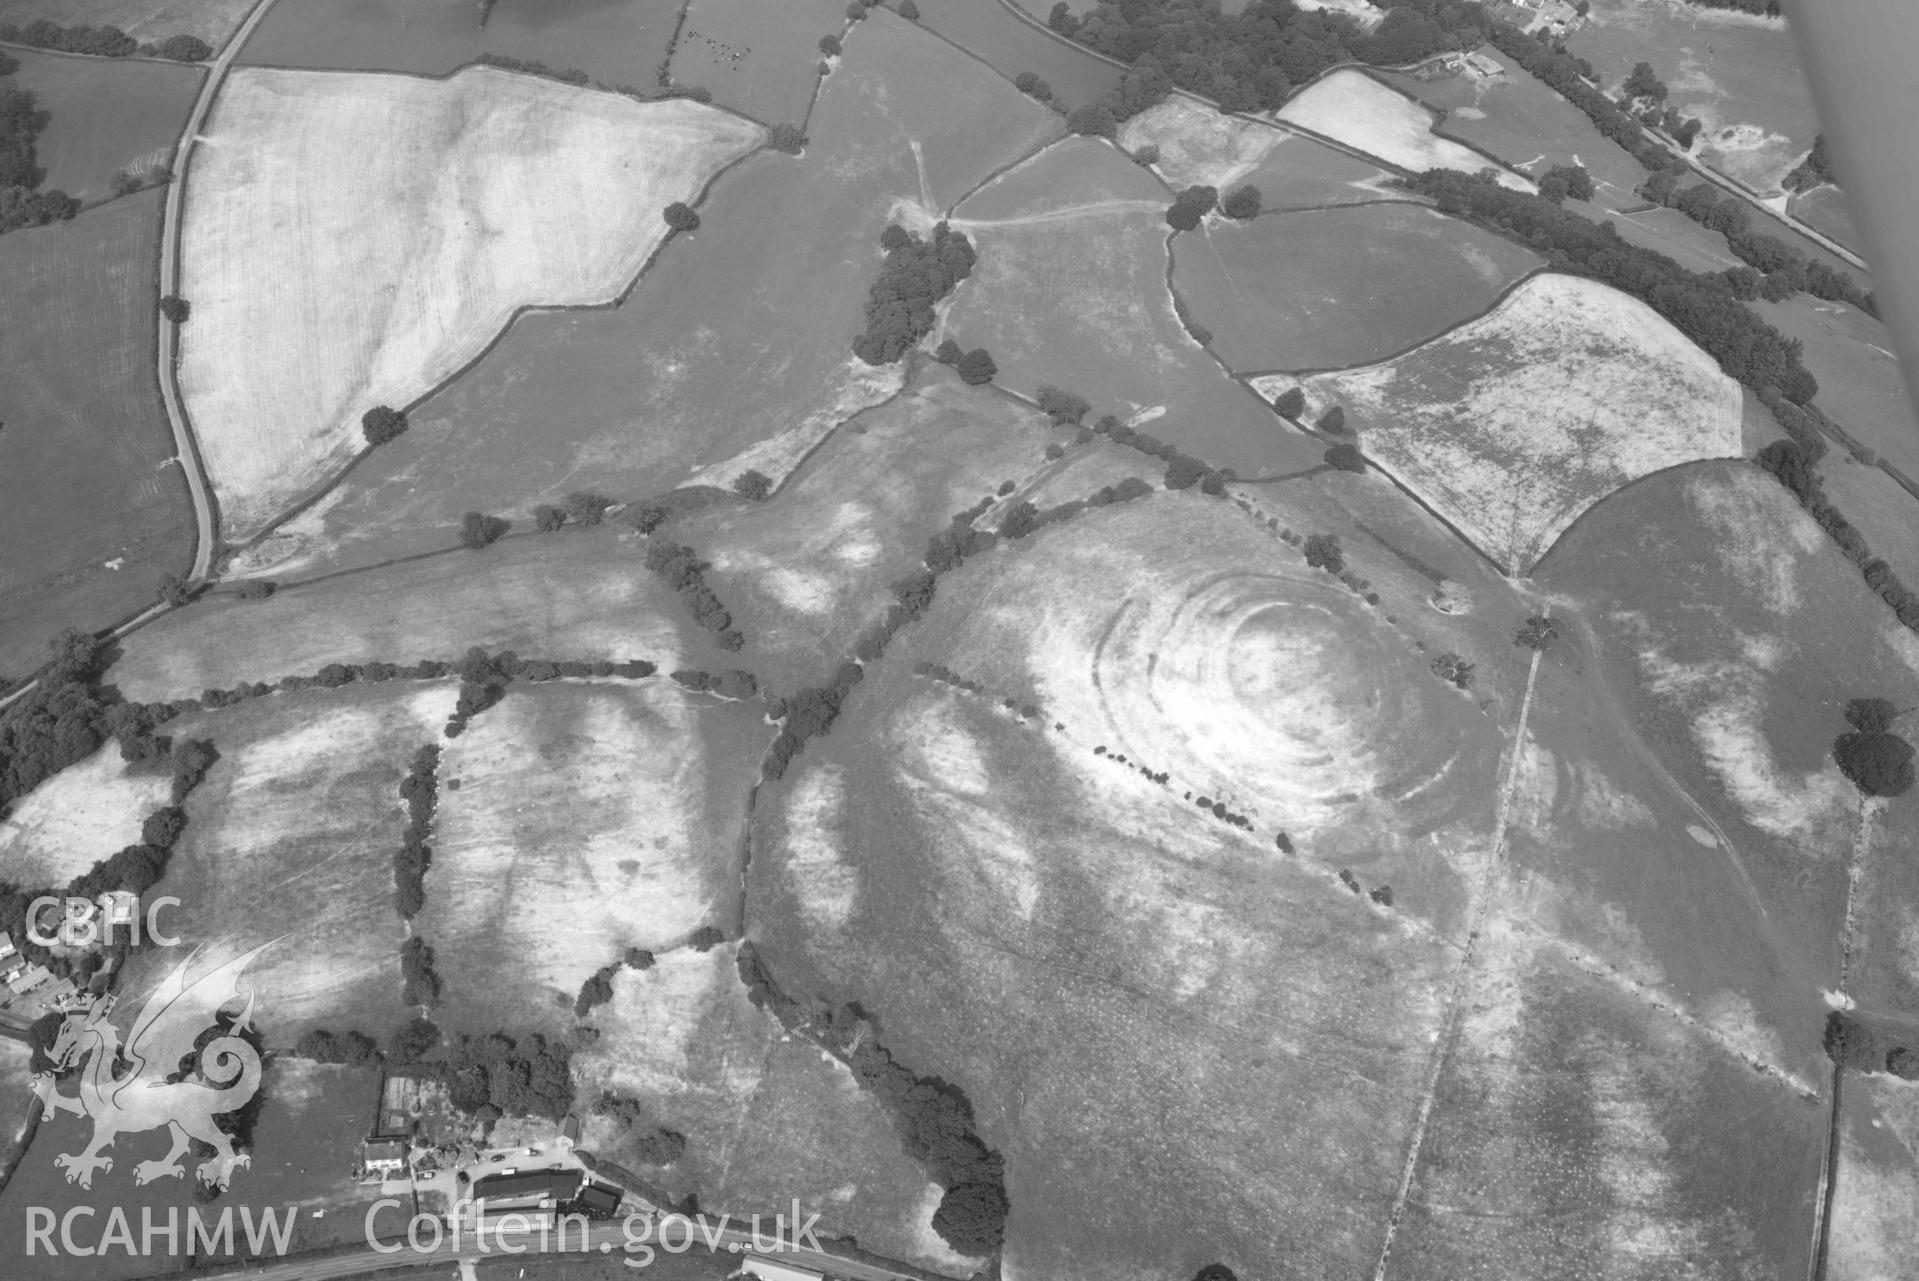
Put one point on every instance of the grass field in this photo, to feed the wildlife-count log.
(1010, 46)
(1077, 299)
(92, 511)
(1325, 289)
(81, 815)
(1088, 955)
(1070, 175)
(582, 594)
(1353, 108)
(1513, 425)
(587, 819)
(766, 1120)
(291, 837)
(212, 20)
(808, 571)
(619, 42)
(1860, 384)
(1577, 1124)
(1877, 1195)
(1741, 76)
(1825, 209)
(1734, 659)
(106, 115)
(1199, 145)
(1670, 232)
(738, 338)
(544, 194)
(759, 59)
(305, 1142)
(1516, 117)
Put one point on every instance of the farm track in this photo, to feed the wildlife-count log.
(1462, 980)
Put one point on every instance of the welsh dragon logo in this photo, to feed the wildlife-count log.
(128, 1090)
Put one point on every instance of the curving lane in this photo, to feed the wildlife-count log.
(185, 446)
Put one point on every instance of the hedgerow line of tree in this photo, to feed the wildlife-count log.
(682, 569)
(934, 1120)
(1705, 307)
(21, 123)
(1774, 270)
(1254, 59)
(102, 42)
(1794, 463)
(420, 790)
(134, 869)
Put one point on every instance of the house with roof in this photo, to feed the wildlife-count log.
(1483, 66)
(7, 949)
(24, 980)
(383, 1158)
(531, 1189)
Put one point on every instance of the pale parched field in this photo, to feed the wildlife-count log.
(1199, 145)
(290, 840)
(1514, 424)
(403, 222)
(81, 815)
(1353, 108)
(574, 822)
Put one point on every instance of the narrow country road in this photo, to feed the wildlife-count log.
(183, 442)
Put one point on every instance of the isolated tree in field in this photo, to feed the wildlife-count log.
(1333, 420)
(1850, 1043)
(381, 424)
(855, 11)
(1538, 633)
(479, 530)
(830, 46)
(706, 938)
(1291, 403)
(1322, 552)
(1092, 120)
(1147, 155)
(1644, 83)
(176, 309)
(787, 138)
(909, 11)
(1346, 457)
(1241, 202)
(680, 216)
(948, 352)
(1878, 761)
(1215, 1272)
(548, 519)
(753, 484)
(977, 367)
